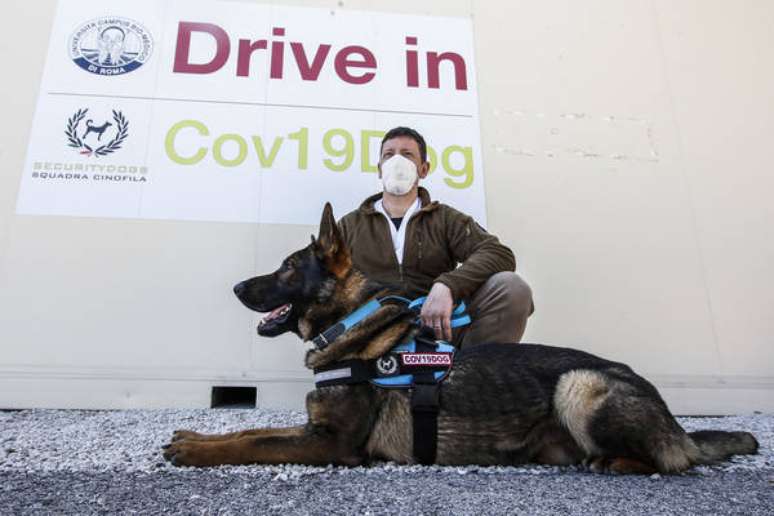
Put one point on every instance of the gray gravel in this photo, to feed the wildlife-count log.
(89, 462)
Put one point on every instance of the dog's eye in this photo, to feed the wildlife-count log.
(286, 274)
(286, 271)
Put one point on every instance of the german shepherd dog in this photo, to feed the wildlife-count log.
(500, 404)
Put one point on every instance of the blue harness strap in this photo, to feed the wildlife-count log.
(337, 330)
(459, 317)
(361, 313)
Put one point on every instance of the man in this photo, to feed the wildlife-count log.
(401, 237)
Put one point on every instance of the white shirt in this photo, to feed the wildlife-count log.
(398, 235)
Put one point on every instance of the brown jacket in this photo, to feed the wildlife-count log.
(438, 238)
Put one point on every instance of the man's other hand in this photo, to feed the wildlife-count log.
(436, 312)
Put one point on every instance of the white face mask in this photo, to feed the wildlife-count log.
(399, 175)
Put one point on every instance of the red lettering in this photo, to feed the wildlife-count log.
(246, 49)
(310, 73)
(434, 63)
(353, 64)
(412, 65)
(343, 62)
(277, 55)
(183, 50)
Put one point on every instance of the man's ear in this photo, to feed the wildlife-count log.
(331, 244)
(424, 170)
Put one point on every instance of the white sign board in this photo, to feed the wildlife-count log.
(227, 111)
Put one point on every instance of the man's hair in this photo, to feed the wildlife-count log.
(411, 133)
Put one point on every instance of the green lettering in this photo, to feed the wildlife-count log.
(347, 152)
(217, 150)
(303, 147)
(169, 142)
(467, 168)
(365, 150)
(267, 161)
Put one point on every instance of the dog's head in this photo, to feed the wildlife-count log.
(305, 278)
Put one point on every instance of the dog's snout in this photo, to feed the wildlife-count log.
(239, 289)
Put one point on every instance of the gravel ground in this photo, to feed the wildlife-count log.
(90, 462)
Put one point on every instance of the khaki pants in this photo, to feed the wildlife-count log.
(499, 310)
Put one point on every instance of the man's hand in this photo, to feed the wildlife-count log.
(436, 312)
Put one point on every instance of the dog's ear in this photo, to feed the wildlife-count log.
(331, 245)
(329, 238)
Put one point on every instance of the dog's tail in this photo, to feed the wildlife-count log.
(717, 446)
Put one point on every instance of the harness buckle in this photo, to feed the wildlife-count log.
(320, 342)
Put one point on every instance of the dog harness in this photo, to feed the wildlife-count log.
(419, 364)
(458, 318)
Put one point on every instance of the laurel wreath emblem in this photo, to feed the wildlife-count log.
(75, 141)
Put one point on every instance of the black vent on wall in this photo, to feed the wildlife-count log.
(234, 397)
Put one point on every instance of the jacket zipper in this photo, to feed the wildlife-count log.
(392, 244)
(406, 241)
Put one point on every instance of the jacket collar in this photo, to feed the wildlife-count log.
(424, 196)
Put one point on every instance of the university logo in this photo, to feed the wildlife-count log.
(93, 138)
(111, 46)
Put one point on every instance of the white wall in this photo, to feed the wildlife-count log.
(627, 164)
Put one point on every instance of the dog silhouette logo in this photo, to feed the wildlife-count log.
(91, 138)
(387, 365)
(111, 46)
(99, 130)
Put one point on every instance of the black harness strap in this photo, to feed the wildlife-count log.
(345, 372)
(325, 338)
(424, 411)
(425, 405)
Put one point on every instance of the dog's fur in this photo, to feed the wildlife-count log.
(501, 404)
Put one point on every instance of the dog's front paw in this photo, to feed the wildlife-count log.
(597, 464)
(188, 453)
(619, 466)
